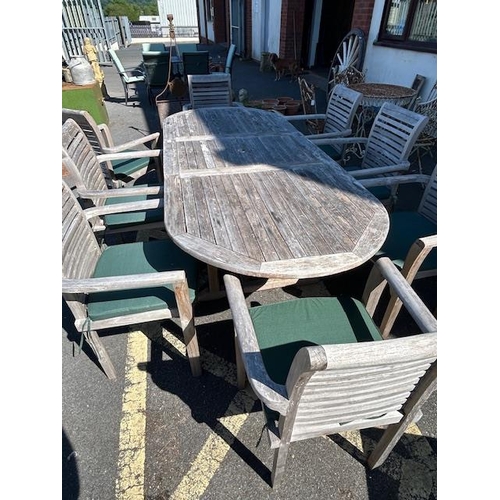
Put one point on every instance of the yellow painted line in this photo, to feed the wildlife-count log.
(210, 457)
(132, 443)
(212, 363)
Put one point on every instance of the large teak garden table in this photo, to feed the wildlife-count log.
(248, 193)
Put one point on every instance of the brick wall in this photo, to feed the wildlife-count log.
(362, 15)
(292, 16)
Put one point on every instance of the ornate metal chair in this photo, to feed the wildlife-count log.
(427, 141)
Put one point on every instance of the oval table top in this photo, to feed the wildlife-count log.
(245, 191)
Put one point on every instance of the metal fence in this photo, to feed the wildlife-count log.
(84, 18)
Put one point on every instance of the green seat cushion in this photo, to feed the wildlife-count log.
(138, 258)
(405, 228)
(283, 328)
(380, 192)
(130, 166)
(130, 218)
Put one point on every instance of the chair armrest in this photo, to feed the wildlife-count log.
(271, 394)
(123, 191)
(119, 208)
(416, 255)
(128, 282)
(339, 140)
(314, 116)
(384, 271)
(369, 172)
(153, 138)
(127, 155)
(395, 180)
(111, 148)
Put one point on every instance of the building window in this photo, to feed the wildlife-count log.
(410, 24)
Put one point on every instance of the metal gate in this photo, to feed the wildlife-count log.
(84, 18)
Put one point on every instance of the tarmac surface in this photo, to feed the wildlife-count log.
(157, 433)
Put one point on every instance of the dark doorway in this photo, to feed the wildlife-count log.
(306, 32)
(336, 18)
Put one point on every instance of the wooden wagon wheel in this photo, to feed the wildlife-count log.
(350, 53)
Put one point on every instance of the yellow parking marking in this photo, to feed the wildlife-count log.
(210, 457)
(132, 443)
(211, 363)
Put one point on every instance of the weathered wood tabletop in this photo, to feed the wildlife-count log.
(245, 191)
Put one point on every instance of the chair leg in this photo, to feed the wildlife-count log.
(279, 463)
(188, 329)
(95, 344)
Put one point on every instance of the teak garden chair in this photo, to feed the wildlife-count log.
(337, 120)
(124, 284)
(124, 171)
(320, 366)
(82, 170)
(209, 91)
(386, 149)
(411, 243)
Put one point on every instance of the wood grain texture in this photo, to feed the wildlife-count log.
(246, 192)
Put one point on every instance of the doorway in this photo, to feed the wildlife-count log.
(336, 18)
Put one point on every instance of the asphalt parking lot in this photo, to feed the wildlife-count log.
(157, 433)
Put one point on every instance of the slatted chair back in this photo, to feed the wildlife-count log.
(88, 125)
(341, 110)
(418, 83)
(149, 266)
(81, 161)
(428, 203)
(392, 136)
(337, 388)
(210, 90)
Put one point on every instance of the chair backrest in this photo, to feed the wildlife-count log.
(341, 110)
(116, 61)
(392, 136)
(229, 59)
(429, 109)
(89, 126)
(196, 63)
(80, 160)
(336, 388)
(80, 249)
(418, 83)
(210, 90)
(428, 203)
